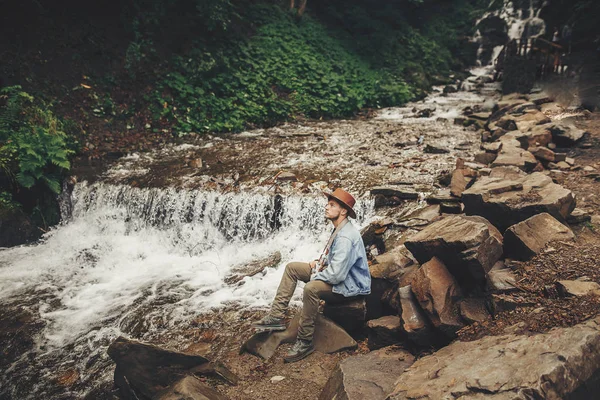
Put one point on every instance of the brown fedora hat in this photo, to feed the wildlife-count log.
(345, 198)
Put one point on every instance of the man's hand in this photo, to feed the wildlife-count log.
(313, 264)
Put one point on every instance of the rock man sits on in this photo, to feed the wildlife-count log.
(340, 273)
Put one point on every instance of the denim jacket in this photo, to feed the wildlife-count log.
(347, 268)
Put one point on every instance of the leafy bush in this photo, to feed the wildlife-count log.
(33, 145)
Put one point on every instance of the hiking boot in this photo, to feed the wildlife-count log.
(300, 350)
(270, 323)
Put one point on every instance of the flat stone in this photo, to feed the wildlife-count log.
(468, 246)
(390, 265)
(539, 135)
(563, 165)
(438, 294)
(442, 196)
(400, 191)
(481, 116)
(578, 216)
(350, 315)
(485, 158)
(329, 338)
(531, 119)
(515, 156)
(384, 331)
(493, 147)
(524, 240)
(189, 388)
(542, 153)
(540, 98)
(451, 208)
(561, 364)
(566, 134)
(434, 149)
(239, 272)
(287, 176)
(474, 310)
(538, 194)
(578, 288)
(367, 376)
(501, 279)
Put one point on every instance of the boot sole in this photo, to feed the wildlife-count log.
(263, 328)
(299, 356)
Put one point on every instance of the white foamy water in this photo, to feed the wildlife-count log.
(141, 260)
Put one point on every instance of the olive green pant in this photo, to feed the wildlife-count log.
(313, 292)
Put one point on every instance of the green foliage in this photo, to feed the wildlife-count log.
(33, 145)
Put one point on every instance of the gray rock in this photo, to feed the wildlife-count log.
(438, 294)
(533, 194)
(367, 376)
(468, 246)
(384, 331)
(524, 240)
(561, 364)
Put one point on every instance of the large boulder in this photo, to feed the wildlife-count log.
(144, 371)
(561, 364)
(530, 119)
(508, 196)
(384, 331)
(468, 246)
(566, 134)
(438, 294)
(512, 154)
(350, 315)
(391, 264)
(524, 240)
(367, 376)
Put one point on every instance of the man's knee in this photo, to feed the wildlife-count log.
(312, 288)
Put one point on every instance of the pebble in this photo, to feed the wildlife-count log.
(277, 378)
(588, 168)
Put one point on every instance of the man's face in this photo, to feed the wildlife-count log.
(334, 210)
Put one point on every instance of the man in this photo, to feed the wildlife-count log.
(339, 273)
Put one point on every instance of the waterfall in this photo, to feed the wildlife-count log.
(138, 261)
(516, 19)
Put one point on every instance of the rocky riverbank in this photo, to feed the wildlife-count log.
(501, 261)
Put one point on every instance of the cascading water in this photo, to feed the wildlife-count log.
(143, 260)
(516, 19)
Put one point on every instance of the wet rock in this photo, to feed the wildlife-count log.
(578, 216)
(239, 272)
(17, 228)
(286, 176)
(401, 192)
(523, 108)
(350, 315)
(526, 239)
(474, 310)
(329, 338)
(508, 196)
(542, 153)
(578, 288)
(563, 363)
(391, 264)
(424, 113)
(468, 246)
(367, 376)
(485, 158)
(146, 370)
(189, 388)
(438, 294)
(435, 149)
(566, 134)
(450, 208)
(384, 331)
(415, 325)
